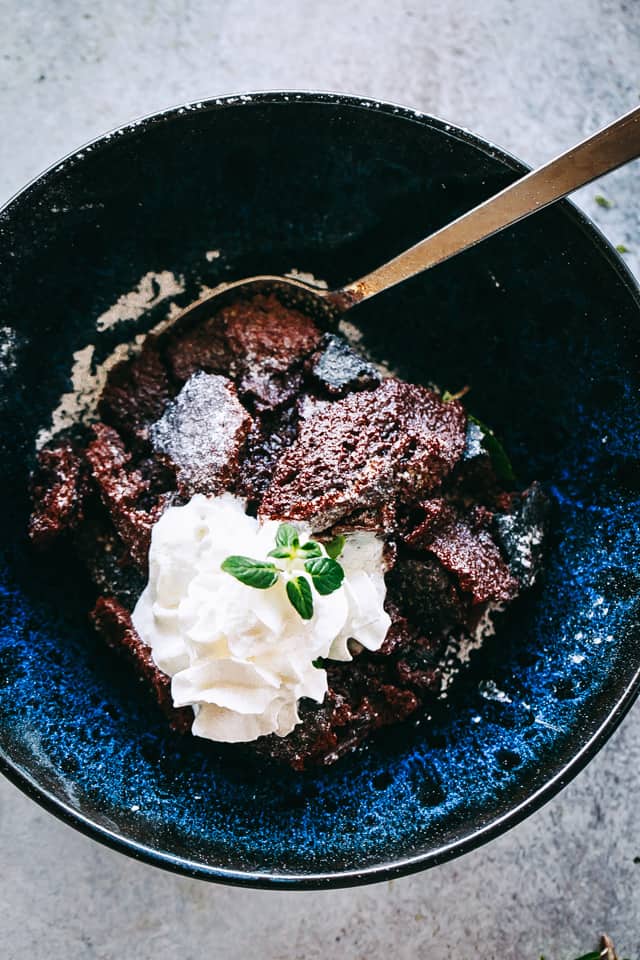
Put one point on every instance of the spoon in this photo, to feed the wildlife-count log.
(609, 148)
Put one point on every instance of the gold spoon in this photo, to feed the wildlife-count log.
(609, 148)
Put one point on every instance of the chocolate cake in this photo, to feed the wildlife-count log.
(258, 401)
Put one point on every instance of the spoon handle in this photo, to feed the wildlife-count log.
(611, 147)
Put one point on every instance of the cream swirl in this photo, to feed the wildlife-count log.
(242, 657)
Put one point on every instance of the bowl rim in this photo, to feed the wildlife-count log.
(401, 866)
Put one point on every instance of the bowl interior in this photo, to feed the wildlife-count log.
(541, 322)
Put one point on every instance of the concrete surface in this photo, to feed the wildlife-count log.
(532, 77)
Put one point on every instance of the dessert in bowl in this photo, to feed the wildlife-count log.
(371, 527)
(540, 324)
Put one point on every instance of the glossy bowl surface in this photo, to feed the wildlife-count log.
(542, 322)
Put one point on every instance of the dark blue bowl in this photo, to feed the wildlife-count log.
(541, 321)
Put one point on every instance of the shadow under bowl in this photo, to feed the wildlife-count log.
(541, 321)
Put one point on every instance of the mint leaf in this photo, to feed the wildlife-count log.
(253, 573)
(287, 536)
(327, 575)
(335, 547)
(299, 593)
(497, 453)
(318, 664)
(310, 549)
(281, 553)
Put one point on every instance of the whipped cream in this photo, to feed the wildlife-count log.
(243, 657)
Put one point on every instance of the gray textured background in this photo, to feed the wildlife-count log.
(533, 77)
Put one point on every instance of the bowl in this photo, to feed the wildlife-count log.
(541, 321)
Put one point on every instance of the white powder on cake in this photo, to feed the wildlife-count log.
(202, 429)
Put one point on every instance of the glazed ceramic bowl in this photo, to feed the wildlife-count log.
(542, 322)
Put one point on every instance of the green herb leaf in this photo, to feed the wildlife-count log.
(253, 573)
(594, 955)
(621, 248)
(602, 202)
(281, 553)
(287, 536)
(310, 549)
(317, 663)
(299, 593)
(335, 547)
(497, 453)
(327, 574)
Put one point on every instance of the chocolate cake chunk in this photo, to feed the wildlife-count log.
(381, 520)
(402, 634)
(521, 533)
(260, 343)
(363, 696)
(203, 348)
(270, 343)
(136, 392)
(397, 441)
(337, 369)
(268, 438)
(308, 406)
(113, 623)
(466, 549)
(121, 489)
(418, 669)
(427, 593)
(202, 433)
(58, 489)
(107, 560)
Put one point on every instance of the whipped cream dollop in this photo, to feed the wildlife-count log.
(240, 656)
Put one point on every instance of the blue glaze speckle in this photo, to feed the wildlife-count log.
(550, 357)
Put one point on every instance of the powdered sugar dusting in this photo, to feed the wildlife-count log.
(8, 349)
(309, 406)
(9, 346)
(80, 403)
(350, 332)
(460, 648)
(307, 277)
(152, 289)
(201, 430)
(491, 691)
(526, 543)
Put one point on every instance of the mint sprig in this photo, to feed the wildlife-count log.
(253, 573)
(325, 572)
(288, 545)
(299, 593)
(287, 536)
(335, 547)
